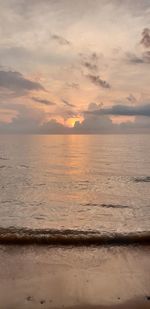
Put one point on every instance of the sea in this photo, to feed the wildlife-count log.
(74, 186)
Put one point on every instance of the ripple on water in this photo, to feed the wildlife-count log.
(142, 179)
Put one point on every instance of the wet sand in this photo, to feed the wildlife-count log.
(77, 278)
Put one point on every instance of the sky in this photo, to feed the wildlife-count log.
(74, 67)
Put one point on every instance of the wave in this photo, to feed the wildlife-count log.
(106, 205)
(3, 158)
(142, 179)
(22, 236)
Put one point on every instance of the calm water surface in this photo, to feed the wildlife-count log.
(75, 182)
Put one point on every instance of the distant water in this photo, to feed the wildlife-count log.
(88, 183)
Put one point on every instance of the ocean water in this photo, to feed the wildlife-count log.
(90, 183)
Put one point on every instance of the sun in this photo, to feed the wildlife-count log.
(71, 121)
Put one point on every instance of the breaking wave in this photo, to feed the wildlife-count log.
(70, 237)
(142, 179)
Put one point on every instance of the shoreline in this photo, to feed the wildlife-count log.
(25, 236)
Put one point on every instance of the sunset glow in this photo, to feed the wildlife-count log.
(71, 121)
(51, 77)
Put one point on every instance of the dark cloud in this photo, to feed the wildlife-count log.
(54, 127)
(93, 106)
(67, 103)
(93, 123)
(94, 56)
(132, 58)
(123, 110)
(90, 66)
(95, 79)
(131, 98)
(97, 120)
(90, 61)
(15, 82)
(69, 114)
(59, 39)
(66, 114)
(145, 41)
(43, 101)
(141, 59)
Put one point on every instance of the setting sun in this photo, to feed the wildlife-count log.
(71, 121)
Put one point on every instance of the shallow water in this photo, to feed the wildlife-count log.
(97, 183)
(74, 278)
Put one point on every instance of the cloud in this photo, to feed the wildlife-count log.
(93, 123)
(43, 101)
(131, 98)
(59, 39)
(27, 120)
(54, 127)
(141, 59)
(140, 125)
(90, 62)
(67, 103)
(95, 79)
(123, 110)
(66, 114)
(38, 48)
(96, 121)
(73, 85)
(146, 56)
(15, 82)
(133, 58)
(90, 66)
(31, 121)
(93, 106)
(145, 41)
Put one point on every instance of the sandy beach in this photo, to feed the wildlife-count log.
(81, 277)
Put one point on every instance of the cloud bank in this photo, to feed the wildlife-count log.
(96, 121)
